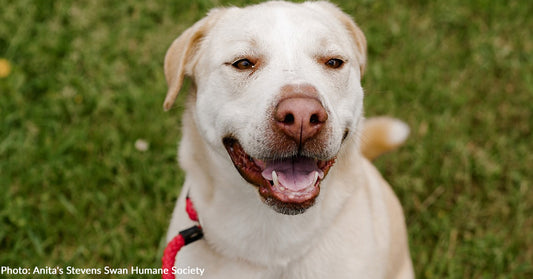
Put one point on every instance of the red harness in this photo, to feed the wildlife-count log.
(183, 238)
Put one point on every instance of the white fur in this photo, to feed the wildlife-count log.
(356, 228)
(398, 132)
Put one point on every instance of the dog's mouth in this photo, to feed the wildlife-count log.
(289, 185)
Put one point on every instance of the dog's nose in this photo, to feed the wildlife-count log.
(300, 118)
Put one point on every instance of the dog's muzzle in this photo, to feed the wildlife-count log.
(289, 180)
(289, 185)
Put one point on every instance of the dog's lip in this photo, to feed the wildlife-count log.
(280, 193)
(257, 172)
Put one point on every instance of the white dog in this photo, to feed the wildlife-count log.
(271, 147)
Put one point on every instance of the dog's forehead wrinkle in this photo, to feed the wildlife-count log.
(280, 22)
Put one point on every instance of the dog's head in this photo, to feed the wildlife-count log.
(278, 92)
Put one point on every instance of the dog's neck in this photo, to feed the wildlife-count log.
(259, 234)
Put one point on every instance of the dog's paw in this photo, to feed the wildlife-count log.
(382, 134)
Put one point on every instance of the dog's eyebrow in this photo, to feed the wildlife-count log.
(242, 49)
(332, 52)
(330, 47)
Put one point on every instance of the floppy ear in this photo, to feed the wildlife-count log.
(182, 55)
(357, 35)
(359, 39)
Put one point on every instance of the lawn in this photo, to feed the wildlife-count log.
(81, 82)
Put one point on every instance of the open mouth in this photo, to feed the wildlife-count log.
(289, 185)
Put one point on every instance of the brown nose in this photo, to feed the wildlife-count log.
(300, 118)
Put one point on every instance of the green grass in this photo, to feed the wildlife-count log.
(87, 82)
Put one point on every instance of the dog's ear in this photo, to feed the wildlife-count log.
(182, 55)
(357, 35)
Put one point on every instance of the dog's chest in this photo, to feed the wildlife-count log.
(306, 269)
(346, 251)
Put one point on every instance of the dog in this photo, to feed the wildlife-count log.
(273, 148)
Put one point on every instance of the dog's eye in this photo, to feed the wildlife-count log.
(243, 64)
(334, 63)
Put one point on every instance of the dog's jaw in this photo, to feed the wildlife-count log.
(288, 185)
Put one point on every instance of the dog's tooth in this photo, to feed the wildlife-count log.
(276, 181)
(275, 178)
(316, 177)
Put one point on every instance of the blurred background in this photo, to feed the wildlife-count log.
(88, 172)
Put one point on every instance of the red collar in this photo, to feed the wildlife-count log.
(183, 238)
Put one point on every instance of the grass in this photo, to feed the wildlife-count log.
(87, 82)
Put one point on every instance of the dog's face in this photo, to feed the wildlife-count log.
(278, 91)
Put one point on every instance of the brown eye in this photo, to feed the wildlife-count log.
(334, 63)
(243, 64)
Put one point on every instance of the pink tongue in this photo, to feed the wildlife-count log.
(294, 174)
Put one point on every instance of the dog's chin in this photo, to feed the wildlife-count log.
(288, 185)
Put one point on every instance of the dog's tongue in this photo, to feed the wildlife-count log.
(295, 174)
